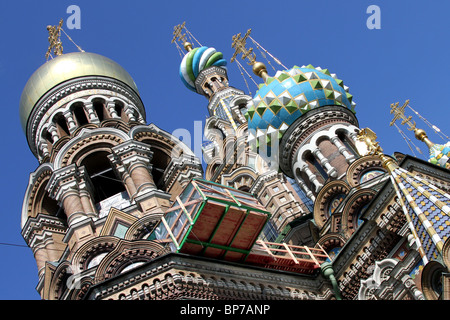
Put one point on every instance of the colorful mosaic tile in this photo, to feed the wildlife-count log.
(440, 155)
(292, 93)
(428, 207)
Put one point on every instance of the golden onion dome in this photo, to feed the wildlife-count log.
(65, 67)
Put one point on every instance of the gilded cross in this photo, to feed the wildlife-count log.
(399, 113)
(239, 45)
(54, 38)
(177, 35)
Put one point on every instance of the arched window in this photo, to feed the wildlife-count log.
(99, 107)
(45, 204)
(47, 136)
(160, 161)
(317, 167)
(61, 125)
(348, 143)
(80, 114)
(105, 184)
(244, 188)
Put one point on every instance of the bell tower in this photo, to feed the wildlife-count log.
(104, 175)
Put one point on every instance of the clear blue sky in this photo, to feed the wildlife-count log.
(406, 59)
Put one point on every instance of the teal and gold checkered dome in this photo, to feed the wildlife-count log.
(288, 95)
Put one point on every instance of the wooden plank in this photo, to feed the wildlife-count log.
(290, 253)
(267, 249)
(183, 208)
(170, 233)
(250, 230)
(229, 226)
(312, 256)
(206, 221)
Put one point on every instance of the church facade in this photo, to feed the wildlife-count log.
(287, 206)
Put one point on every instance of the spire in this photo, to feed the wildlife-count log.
(426, 207)
(239, 44)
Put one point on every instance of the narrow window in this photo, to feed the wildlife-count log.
(80, 115)
(99, 110)
(61, 124)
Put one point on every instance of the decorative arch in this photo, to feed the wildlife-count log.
(37, 200)
(212, 167)
(87, 141)
(431, 280)
(446, 253)
(165, 147)
(240, 179)
(91, 249)
(158, 137)
(82, 286)
(242, 130)
(59, 281)
(336, 189)
(361, 167)
(353, 207)
(143, 227)
(125, 254)
(332, 243)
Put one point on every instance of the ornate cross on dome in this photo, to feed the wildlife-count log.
(179, 36)
(400, 114)
(54, 38)
(239, 45)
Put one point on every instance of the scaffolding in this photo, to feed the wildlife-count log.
(215, 221)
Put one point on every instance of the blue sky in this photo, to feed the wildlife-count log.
(406, 59)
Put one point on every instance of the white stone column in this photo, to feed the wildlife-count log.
(305, 188)
(91, 112)
(331, 171)
(353, 136)
(54, 132)
(43, 146)
(349, 157)
(311, 176)
(129, 112)
(112, 110)
(70, 121)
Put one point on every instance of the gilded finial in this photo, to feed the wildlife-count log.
(238, 44)
(54, 38)
(372, 147)
(399, 113)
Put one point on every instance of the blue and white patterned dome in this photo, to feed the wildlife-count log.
(288, 95)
